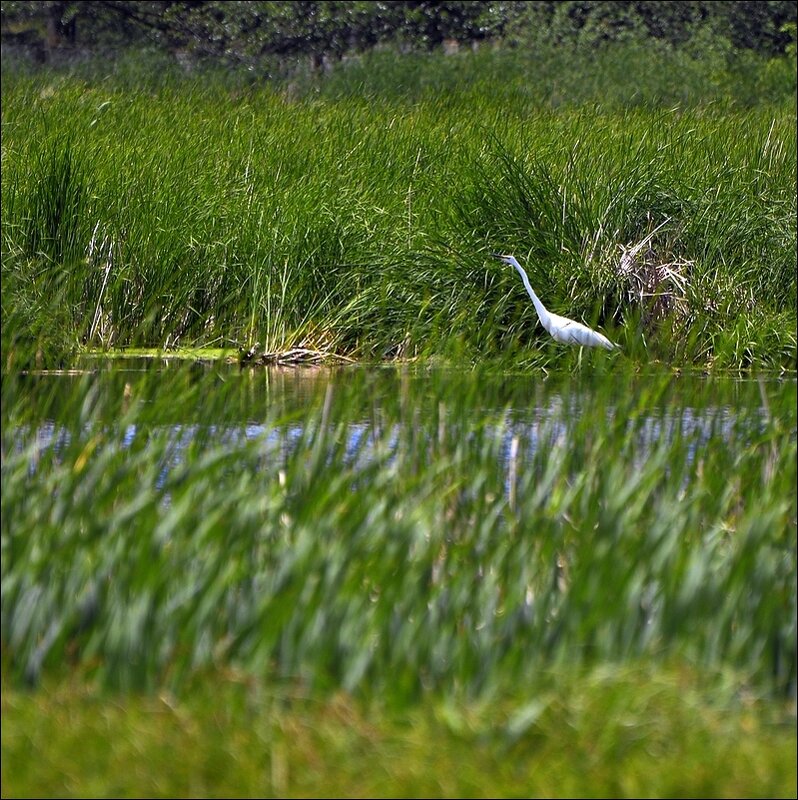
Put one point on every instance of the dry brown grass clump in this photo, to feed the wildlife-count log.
(654, 278)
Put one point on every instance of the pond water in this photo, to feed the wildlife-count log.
(369, 408)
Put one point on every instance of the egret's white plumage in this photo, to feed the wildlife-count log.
(562, 329)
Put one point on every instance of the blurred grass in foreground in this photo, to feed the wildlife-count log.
(398, 582)
(393, 537)
(614, 732)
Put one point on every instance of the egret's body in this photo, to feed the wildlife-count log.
(562, 329)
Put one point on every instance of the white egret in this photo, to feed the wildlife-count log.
(562, 329)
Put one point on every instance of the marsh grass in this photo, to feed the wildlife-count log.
(434, 540)
(348, 216)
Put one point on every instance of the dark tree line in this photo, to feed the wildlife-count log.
(244, 31)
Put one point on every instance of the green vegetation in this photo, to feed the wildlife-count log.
(590, 580)
(348, 216)
(609, 733)
(268, 34)
(526, 570)
(388, 541)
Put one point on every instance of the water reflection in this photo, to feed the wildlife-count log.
(518, 432)
(231, 394)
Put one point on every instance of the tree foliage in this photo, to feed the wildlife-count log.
(243, 32)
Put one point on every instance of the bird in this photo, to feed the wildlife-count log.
(562, 329)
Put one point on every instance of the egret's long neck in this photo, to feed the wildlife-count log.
(539, 307)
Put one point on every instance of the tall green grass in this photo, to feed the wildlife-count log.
(353, 217)
(393, 537)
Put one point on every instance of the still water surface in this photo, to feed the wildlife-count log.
(370, 407)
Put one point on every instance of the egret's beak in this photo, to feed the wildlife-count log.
(498, 255)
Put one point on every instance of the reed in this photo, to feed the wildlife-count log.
(399, 545)
(211, 211)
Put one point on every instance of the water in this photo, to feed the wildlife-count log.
(376, 408)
